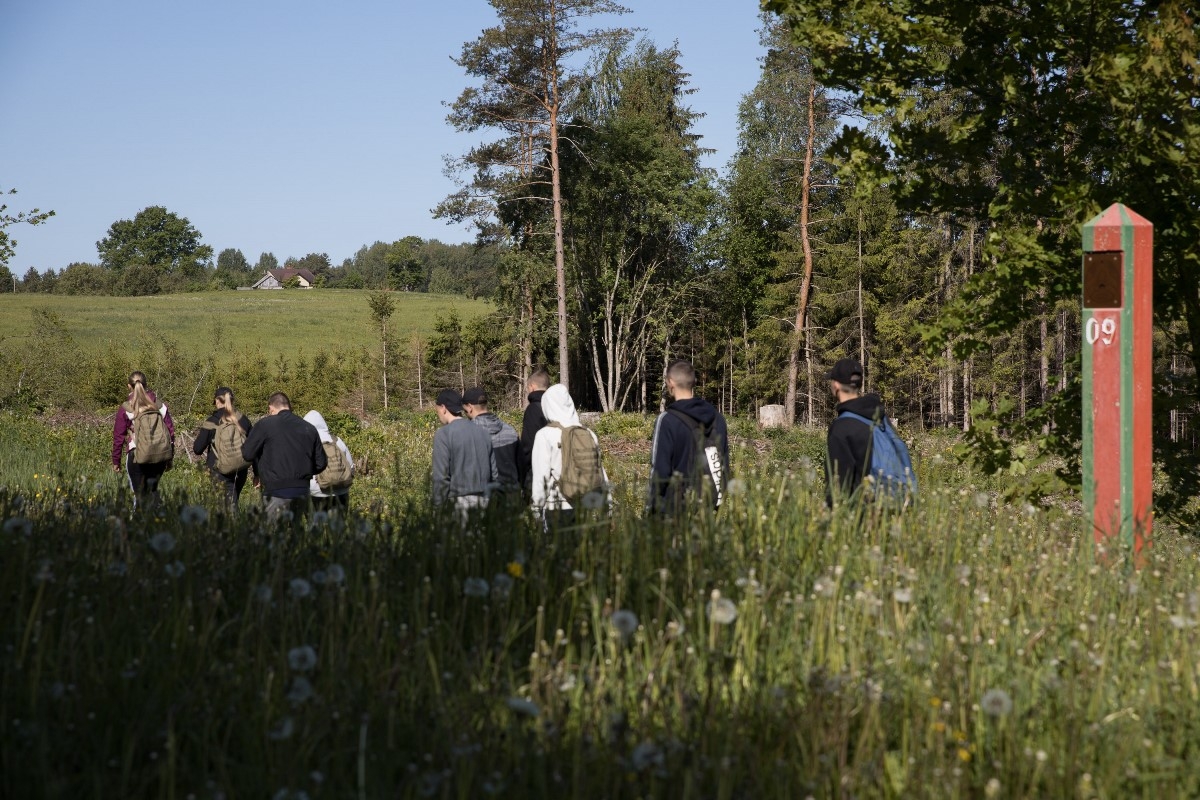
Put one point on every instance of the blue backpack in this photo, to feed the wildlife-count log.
(891, 465)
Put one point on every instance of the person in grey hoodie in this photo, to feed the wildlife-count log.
(463, 462)
(504, 437)
(327, 500)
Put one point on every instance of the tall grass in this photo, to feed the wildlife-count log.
(776, 650)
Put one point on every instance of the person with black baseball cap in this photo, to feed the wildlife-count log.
(849, 440)
(504, 436)
(463, 462)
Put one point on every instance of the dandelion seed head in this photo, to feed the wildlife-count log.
(982, 500)
(475, 587)
(318, 520)
(162, 542)
(301, 691)
(336, 574)
(996, 703)
(319, 577)
(175, 569)
(502, 586)
(722, 611)
(282, 730)
(1180, 622)
(578, 577)
(625, 622)
(193, 515)
(263, 593)
(902, 595)
(302, 658)
(298, 588)
(735, 486)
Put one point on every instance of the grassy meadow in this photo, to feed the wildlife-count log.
(283, 321)
(962, 648)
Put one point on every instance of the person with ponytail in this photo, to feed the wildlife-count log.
(143, 477)
(222, 436)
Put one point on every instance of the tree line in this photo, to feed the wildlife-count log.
(159, 252)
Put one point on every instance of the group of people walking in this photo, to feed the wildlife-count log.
(296, 462)
(554, 464)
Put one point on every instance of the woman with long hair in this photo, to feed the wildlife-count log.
(222, 436)
(143, 475)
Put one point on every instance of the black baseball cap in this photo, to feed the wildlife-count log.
(845, 370)
(451, 399)
(476, 396)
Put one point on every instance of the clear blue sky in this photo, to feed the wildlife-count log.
(287, 126)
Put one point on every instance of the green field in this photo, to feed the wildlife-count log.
(277, 321)
(964, 648)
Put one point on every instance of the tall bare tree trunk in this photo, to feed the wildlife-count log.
(806, 282)
(384, 337)
(862, 317)
(420, 386)
(560, 269)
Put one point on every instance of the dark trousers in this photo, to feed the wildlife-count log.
(334, 502)
(231, 486)
(143, 478)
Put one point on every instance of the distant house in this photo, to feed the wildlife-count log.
(278, 278)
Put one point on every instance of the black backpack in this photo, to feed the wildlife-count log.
(710, 460)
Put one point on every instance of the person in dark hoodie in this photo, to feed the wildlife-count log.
(504, 437)
(532, 422)
(206, 444)
(849, 440)
(676, 469)
(286, 452)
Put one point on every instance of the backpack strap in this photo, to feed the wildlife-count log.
(688, 420)
(872, 423)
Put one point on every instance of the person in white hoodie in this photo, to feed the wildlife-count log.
(546, 461)
(322, 499)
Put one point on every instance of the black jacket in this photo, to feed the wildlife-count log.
(205, 436)
(531, 423)
(673, 451)
(849, 444)
(285, 450)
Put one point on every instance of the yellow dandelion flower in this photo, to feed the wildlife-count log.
(515, 569)
(964, 755)
(939, 727)
(935, 702)
(960, 736)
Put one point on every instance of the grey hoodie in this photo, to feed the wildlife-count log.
(504, 447)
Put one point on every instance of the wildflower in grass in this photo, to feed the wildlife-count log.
(302, 658)
(319, 577)
(18, 526)
(162, 542)
(964, 755)
(475, 587)
(625, 622)
(578, 577)
(993, 789)
(735, 486)
(301, 691)
(962, 571)
(982, 500)
(318, 520)
(515, 569)
(263, 594)
(902, 595)
(298, 588)
(282, 730)
(501, 586)
(1179, 622)
(721, 610)
(336, 574)
(522, 706)
(175, 570)
(193, 515)
(568, 683)
(996, 703)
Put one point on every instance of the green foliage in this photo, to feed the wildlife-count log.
(8, 245)
(87, 279)
(776, 650)
(157, 239)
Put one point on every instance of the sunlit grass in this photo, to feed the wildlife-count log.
(961, 649)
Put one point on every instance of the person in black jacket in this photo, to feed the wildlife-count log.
(224, 413)
(849, 440)
(286, 452)
(532, 422)
(677, 471)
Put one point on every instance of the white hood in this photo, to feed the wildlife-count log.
(315, 419)
(557, 406)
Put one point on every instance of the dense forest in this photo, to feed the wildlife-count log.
(907, 190)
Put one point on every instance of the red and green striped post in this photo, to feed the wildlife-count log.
(1118, 285)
